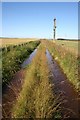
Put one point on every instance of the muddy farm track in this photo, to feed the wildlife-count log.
(69, 98)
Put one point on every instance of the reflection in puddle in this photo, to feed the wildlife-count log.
(28, 60)
(63, 87)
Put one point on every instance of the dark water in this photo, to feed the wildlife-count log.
(70, 98)
(11, 92)
(28, 61)
(18, 74)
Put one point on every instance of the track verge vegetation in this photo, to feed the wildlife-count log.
(68, 62)
(37, 99)
(13, 58)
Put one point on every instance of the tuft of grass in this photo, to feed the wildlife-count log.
(36, 100)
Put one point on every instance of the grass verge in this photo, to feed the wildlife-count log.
(12, 60)
(68, 62)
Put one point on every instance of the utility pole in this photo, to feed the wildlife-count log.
(54, 29)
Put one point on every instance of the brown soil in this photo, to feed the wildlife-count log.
(70, 99)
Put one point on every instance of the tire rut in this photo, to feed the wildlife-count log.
(11, 91)
(70, 106)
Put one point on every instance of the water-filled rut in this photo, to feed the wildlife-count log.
(70, 101)
(11, 92)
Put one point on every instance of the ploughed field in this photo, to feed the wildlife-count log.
(41, 80)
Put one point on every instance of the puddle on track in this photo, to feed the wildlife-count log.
(28, 61)
(71, 104)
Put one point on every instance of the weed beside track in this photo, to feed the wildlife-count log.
(13, 58)
(68, 62)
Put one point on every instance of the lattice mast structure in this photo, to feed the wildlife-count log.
(54, 29)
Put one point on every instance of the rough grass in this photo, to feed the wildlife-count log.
(36, 100)
(12, 60)
(71, 46)
(69, 62)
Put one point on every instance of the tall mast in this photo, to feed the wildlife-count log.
(54, 29)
